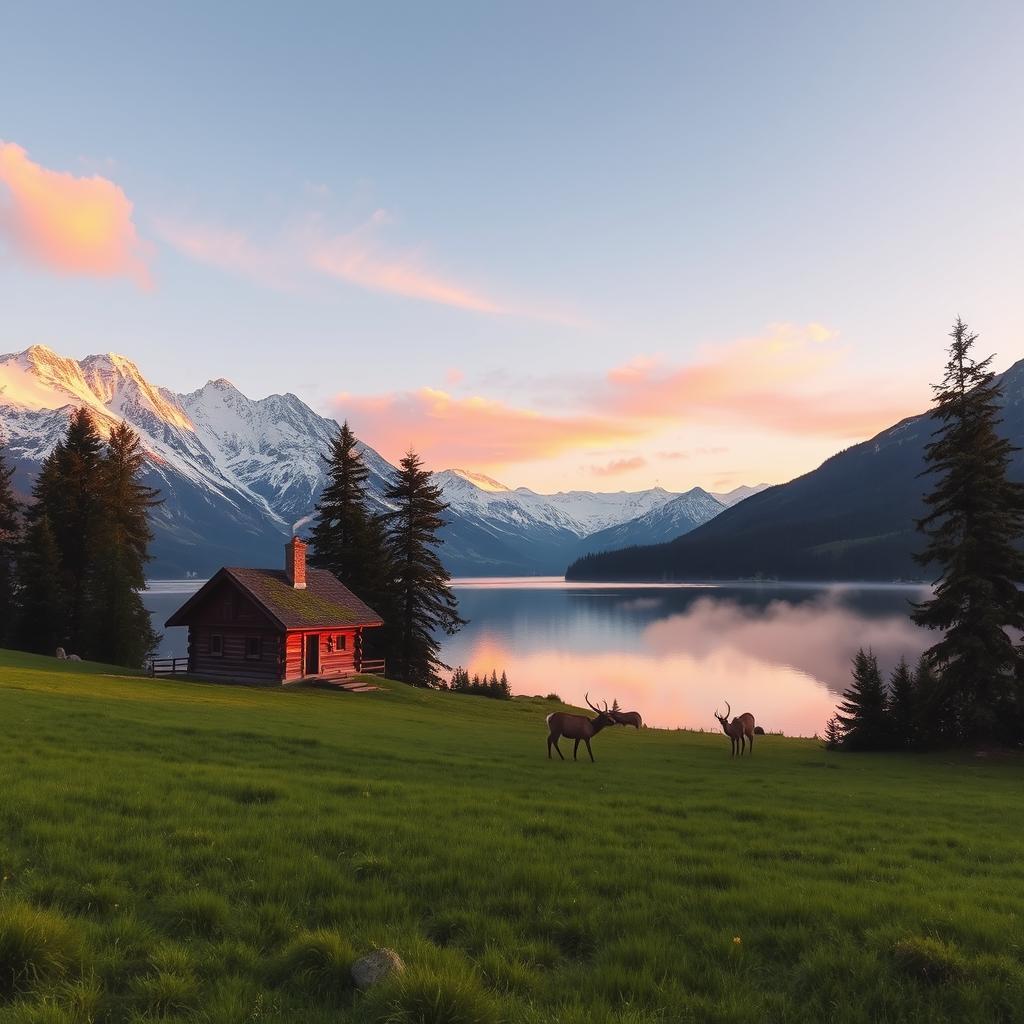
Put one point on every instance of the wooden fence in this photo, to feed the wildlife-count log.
(372, 666)
(167, 666)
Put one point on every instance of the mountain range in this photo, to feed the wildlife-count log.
(239, 475)
(852, 518)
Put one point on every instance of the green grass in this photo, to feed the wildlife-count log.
(177, 851)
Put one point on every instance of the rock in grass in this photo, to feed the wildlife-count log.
(375, 967)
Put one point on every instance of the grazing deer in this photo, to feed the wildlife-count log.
(740, 729)
(628, 718)
(576, 728)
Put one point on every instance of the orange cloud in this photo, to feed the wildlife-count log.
(786, 380)
(450, 431)
(783, 383)
(67, 224)
(619, 466)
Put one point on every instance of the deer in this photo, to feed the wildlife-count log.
(576, 728)
(628, 718)
(740, 729)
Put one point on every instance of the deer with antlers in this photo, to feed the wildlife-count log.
(628, 718)
(577, 728)
(739, 730)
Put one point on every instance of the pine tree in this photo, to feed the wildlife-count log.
(340, 523)
(938, 714)
(506, 690)
(833, 734)
(350, 541)
(42, 605)
(423, 600)
(67, 492)
(974, 524)
(862, 713)
(120, 630)
(9, 532)
(902, 707)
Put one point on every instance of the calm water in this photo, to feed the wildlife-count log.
(672, 652)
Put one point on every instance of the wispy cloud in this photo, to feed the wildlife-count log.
(68, 224)
(225, 248)
(363, 257)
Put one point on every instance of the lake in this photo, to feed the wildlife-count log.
(671, 651)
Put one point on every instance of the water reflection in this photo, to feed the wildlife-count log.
(673, 652)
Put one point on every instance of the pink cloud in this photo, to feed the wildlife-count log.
(225, 248)
(783, 383)
(619, 466)
(475, 431)
(787, 380)
(66, 224)
(358, 258)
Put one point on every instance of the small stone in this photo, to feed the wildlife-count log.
(375, 967)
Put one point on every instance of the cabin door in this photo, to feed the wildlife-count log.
(312, 654)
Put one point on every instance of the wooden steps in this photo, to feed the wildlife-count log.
(346, 685)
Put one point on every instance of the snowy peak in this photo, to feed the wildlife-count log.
(738, 494)
(681, 514)
(119, 386)
(485, 483)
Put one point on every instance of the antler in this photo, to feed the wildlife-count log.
(728, 709)
(587, 699)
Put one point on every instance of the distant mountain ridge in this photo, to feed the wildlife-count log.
(239, 475)
(852, 518)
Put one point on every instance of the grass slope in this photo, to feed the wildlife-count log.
(185, 852)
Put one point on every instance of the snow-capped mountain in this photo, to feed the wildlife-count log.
(681, 514)
(238, 475)
(738, 494)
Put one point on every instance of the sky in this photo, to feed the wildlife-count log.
(593, 245)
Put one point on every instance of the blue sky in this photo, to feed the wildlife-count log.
(520, 207)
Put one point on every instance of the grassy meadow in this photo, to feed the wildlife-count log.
(178, 851)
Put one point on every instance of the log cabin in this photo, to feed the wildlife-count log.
(275, 626)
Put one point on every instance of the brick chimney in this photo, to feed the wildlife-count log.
(295, 563)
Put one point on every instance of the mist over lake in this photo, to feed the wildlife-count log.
(673, 652)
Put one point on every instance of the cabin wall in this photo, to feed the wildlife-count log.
(332, 663)
(235, 661)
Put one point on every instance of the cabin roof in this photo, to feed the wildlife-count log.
(325, 601)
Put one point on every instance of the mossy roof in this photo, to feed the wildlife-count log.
(324, 603)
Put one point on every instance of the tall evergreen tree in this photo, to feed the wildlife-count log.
(350, 540)
(120, 630)
(903, 722)
(422, 597)
(973, 527)
(9, 527)
(42, 605)
(68, 492)
(339, 532)
(862, 713)
(938, 714)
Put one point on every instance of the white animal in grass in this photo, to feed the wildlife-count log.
(60, 655)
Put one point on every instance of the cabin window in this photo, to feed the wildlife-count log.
(253, 647)
(341, 641)
(217, 646)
